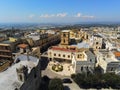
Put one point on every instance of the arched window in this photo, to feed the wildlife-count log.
(20, 76)
(82, 68)
(59, 55)
(68, 56)
(54, 54)
(90, 60)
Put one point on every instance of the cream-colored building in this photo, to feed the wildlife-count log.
(81, 59)
(65, 37)
(66, 53)
(97, 41)
(107, 61)
(78, 58)
(36, 52)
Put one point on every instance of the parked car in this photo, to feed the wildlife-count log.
(67, 80)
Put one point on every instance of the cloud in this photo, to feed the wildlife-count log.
(88, 16)
(61, 15)
(46, 16)
(31, 16)
(79, 15)
(53, 15)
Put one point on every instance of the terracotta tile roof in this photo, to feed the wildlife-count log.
(117, 54)
(62, 49)
(22, 46)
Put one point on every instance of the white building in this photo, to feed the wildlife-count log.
(9, 79)
(107, 61)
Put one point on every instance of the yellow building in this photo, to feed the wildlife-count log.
(36, 51)
(72, 34)
(12, 39)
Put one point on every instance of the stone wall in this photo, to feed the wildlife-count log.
(33, 80)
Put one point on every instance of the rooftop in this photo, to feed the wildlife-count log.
(96, 35)
(50, 31)
(62, 49)
(65, 30)
(8, 78)
(23, 46)
(2, 62)
(34, 36)
(6, 42)
(117, 54)
(82, 45)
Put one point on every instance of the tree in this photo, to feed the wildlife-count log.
(44, 83)
(56, 84)
(97, 80)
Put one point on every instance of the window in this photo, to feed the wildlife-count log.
(20, 77)
(96, 42)
(112, 69)
(87, 67)
(63, 55)
(68, 56)
(81, 68)
(59, 55)
(64, 35)
(64, 41)
(54, 54)
(79, 55)
(90, 60)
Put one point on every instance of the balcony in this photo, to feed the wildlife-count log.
(4, 50)
(6, 56)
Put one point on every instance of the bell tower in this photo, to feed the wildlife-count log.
(65, 37)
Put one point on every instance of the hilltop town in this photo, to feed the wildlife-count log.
(26, 56)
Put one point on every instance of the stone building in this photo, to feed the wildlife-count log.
(113, 67)
(7, 48)
(33, 80)
(65, 37)
(97, 42)
(82, 60)
(23, 48)
(75, 34)
(5, 51)
(85, 62)
(22, 73)
(42, 39)
(35, 51)
(107, 61)
(63, 53)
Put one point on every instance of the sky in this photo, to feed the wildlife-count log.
(59, 11)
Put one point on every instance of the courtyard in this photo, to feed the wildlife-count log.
(66, 68)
